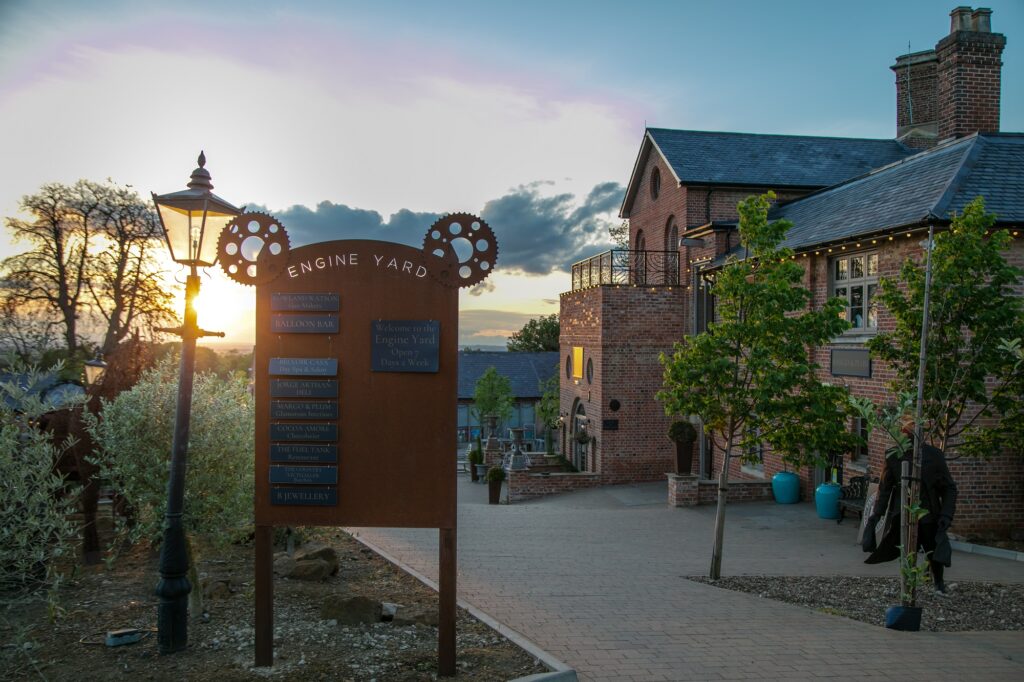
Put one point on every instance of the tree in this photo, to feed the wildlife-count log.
(540, 334)
(619, 234)
(547, 408)
(90, 253)
(971, 374)
(492, 395)
(750, 378)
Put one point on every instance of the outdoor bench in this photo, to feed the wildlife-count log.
(851, 497)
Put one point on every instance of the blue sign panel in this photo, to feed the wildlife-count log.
(303, 452)
(303, 409)
(304, 324)
(297, 388)
(304, 367)
(404, 345)
(304, 302)
(310, 496)
(310, 432)
(304, 475)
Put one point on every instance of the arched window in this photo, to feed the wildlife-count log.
(640, 259)
(671, 234)
(655, 183)
(641, 241)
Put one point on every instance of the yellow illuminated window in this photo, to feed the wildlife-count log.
(577, 362)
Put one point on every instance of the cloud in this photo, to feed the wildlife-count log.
(489, 326)
(537, 234)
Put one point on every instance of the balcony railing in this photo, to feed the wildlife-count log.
(628, 267)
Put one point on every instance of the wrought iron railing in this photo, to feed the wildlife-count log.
(629, 267)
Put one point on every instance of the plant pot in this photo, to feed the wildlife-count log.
(786, 487)
(826, 500)
(481, 471)
(906, 618)
(494, 492)
(684, 458)
(473, 475)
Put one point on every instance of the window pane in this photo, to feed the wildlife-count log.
(842, 269)
(856, 267)
(872, 306)
(857, 306)
(463, 415)
(872, 264)
(841, 293)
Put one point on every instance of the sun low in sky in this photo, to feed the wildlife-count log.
(371, 120)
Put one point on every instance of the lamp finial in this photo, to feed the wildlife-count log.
(202, 159)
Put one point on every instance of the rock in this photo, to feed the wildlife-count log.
(217, 589)
(311, 569)
(415, 615)
(388, 611)
(316, 550)
(283, 565)
(350, 610)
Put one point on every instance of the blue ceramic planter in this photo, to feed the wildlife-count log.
(786, 487)
(826, 500)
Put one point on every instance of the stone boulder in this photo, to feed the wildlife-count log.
(350, 610)
(317, 550)
(415, 615)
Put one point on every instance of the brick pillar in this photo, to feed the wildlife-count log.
(682, 490)
(916, 98)
(969, 74)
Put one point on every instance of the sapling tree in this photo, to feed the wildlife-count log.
(750, 377)
(547, 408)
(492, 395)
(972, 372)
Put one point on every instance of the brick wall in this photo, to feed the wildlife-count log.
(688, 491)
(523, 485)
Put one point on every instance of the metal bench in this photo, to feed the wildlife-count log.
(852, 496)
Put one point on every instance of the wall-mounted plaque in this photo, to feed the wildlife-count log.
(304, 324)
(851, 362)
(297, 388)
(327, 302)
(318, 496)
(404, 345)
(303, 475)
(308, 432)
(304, 367)
(303, 452)
(609, 424)
(303, 409)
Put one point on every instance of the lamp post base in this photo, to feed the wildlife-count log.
(172, 624)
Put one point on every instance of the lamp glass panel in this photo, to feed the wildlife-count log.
(215, 223)
(177, 223)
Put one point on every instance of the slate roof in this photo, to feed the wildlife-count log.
(525, 371)
(701, 157)
(925, 187)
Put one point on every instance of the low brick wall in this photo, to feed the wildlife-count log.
(525, 485)
(688, 491)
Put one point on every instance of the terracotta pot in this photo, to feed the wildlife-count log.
(494, 491)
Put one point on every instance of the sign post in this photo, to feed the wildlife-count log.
(356, 375)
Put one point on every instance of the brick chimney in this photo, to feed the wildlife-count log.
(953, 90)
(969, 74)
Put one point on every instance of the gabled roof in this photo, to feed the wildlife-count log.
(525, 371)
(925, 187)
(747, 159)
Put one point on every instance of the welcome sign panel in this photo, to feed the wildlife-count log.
(356, 370)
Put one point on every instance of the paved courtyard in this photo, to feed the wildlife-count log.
(596, 579)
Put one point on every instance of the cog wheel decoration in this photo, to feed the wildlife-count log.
(253, 248)
(467, 246)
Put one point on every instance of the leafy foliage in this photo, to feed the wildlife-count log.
(619, 234)
(974, 307)
(547, 408)
(133, 437)
(682, 431)
(35, 531)
(539, 334)
(750, 377)
(492, 395)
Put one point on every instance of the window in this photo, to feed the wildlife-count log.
(855, 280)
(859, 454)
(753, 457)
(671, 234)
(655, 183)
(590, 370)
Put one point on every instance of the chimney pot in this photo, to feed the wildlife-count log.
(960, 19)
(981, 19)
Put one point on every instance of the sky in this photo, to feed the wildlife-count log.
(371, 120)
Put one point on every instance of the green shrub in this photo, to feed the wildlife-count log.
(34, 528)
(495, 475)
(682, 432)
(133, 441)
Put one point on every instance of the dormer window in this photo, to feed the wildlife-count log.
(655, 183)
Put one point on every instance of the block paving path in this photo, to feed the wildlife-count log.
(596, 578)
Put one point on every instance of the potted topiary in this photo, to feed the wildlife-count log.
(495, 477)
(475, 457)
(684, 435)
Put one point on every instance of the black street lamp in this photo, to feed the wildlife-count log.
(94, 370)
(192, 220)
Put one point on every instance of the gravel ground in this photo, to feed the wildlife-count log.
(967, 606)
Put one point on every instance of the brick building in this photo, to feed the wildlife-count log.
(860, 208)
